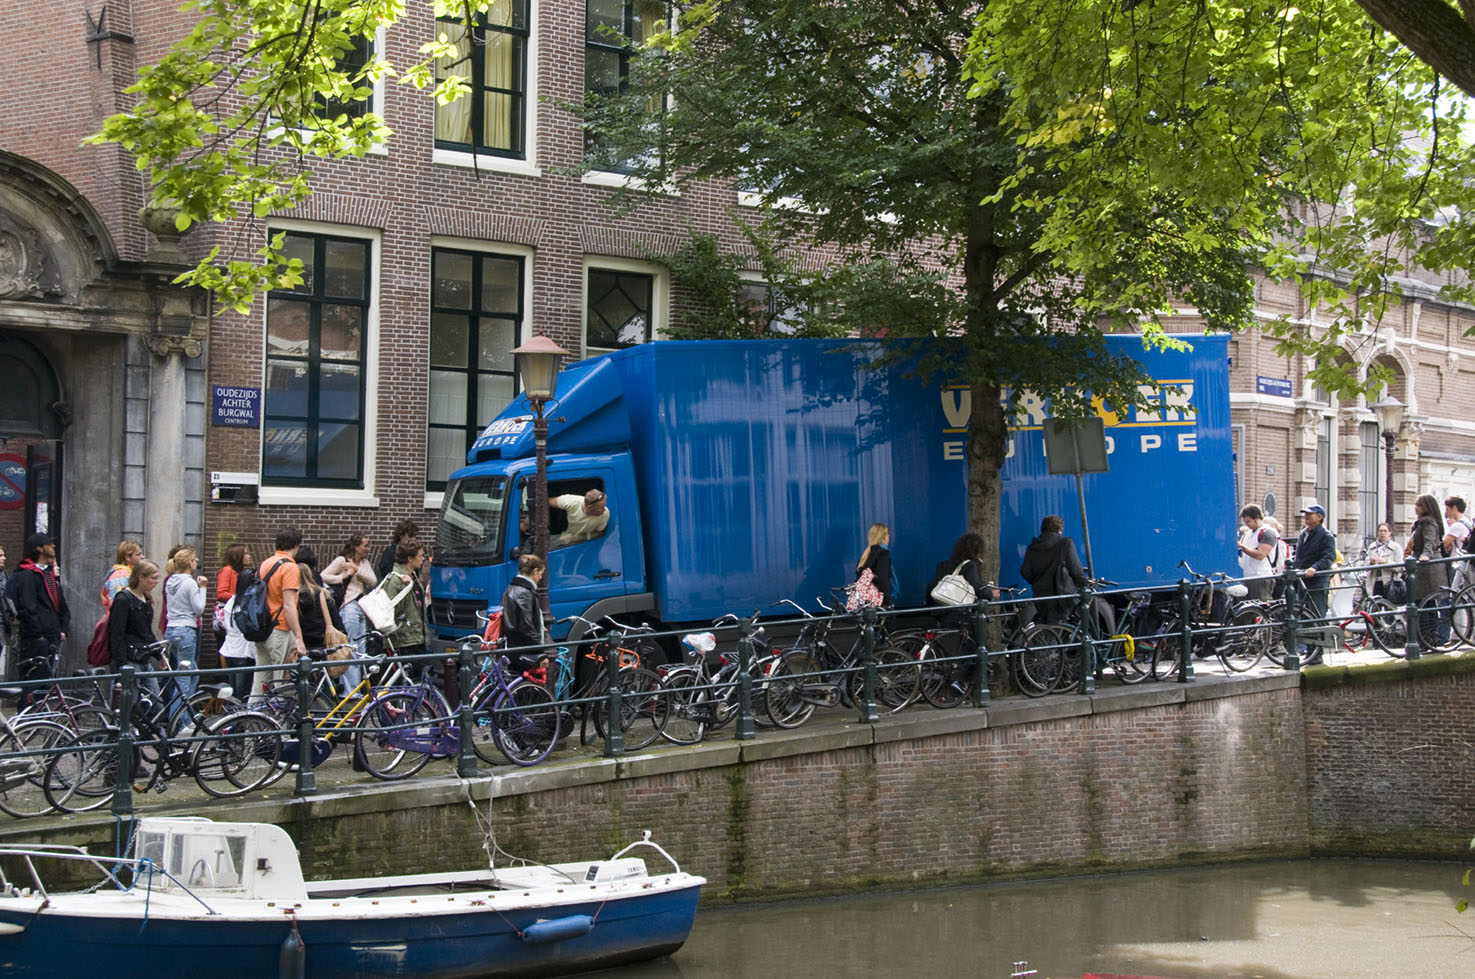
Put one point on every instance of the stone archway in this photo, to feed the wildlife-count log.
(95, 354)
(33, 418)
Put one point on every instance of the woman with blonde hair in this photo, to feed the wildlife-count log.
(184, 602)
(877, 558)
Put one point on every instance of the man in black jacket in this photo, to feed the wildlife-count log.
(522, 616)
(42, 617)
(1316, 552)
(1052, 568)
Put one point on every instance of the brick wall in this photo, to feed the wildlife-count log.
(1334, 762)
(1389, 759)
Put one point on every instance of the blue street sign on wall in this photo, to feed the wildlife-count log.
(238, 407)
(1278, 386)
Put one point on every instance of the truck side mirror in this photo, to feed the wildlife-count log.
(515, 553)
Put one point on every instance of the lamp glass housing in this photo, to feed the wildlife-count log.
(537, 367)
(1390, 413)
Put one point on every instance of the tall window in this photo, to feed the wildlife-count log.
(490, 117)
(1324, 463)
(1370, 463)
(315, 342)
(352, 63)
(612, 30)
(619, 310)
(476, 312)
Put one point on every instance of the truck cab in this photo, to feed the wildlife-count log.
(487, 523)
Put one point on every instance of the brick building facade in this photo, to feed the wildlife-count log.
(467, 233)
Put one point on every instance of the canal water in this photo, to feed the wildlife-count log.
(1306, 919)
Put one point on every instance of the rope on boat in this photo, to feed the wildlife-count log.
(121, 854)
(489, 831)
(145, 866)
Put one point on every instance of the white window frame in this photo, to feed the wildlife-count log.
(660, 296)
(434, 498)
(366, 497)
(528, 165)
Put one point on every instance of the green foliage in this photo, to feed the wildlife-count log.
(1308, 139)
(1463, 904)
(1086, 165)
(873, 296)
(227, 122)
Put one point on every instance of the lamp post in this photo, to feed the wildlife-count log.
(1390, 416)
(537, 370)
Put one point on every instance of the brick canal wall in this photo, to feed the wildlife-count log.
(1390, 758)
(1364, 762)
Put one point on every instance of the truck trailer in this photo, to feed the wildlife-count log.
(739, 473)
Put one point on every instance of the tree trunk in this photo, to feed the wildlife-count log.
(988, 442)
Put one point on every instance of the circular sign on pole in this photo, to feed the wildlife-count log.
(12, 481)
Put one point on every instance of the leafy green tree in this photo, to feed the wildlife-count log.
(227, 123)
(1071, 167)
(1024, 175)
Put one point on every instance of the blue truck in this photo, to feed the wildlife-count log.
(739, 473)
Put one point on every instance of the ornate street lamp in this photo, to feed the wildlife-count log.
(537, 369)
(1390, 416)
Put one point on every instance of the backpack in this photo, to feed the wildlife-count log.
(1468, 545)
(251, 615)
(99, 650)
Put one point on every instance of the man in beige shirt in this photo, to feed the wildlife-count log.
(587, 516)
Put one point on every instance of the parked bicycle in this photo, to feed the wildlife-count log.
(813, 673)
(405, 726)
(946, 651)
(642, 710)
(702, 692)
(228, 754)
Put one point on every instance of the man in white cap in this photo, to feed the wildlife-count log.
(1316, 552)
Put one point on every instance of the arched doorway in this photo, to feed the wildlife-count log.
(32, 416)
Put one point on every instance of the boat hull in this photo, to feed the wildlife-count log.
(427, 942)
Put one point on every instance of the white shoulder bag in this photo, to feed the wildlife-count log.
(953, 589)
(379, 609)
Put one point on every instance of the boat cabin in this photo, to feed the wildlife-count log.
(246, 860)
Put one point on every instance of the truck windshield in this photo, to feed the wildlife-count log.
(470, 527)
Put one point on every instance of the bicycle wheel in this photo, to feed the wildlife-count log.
(942, 683)
(1389, 625)
(785, 703)
(1463, 614)
(1436, 626)
(525, 723)
(241, 752)
(82, 776)
(23, 776)
(760, 670)
(390, 742)
(896, 681)
(1166, 646)
(687, 707)
(1245, 644)
(1039, 665)
(1130, 658)
(642, 709)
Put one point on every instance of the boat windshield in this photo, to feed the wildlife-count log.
(196, 859)
(470, 526)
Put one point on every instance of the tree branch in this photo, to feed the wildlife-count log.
(1434, 31)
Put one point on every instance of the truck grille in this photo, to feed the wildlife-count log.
(458, 615)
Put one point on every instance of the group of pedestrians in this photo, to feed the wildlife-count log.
(307, 609)
(1437, 532)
